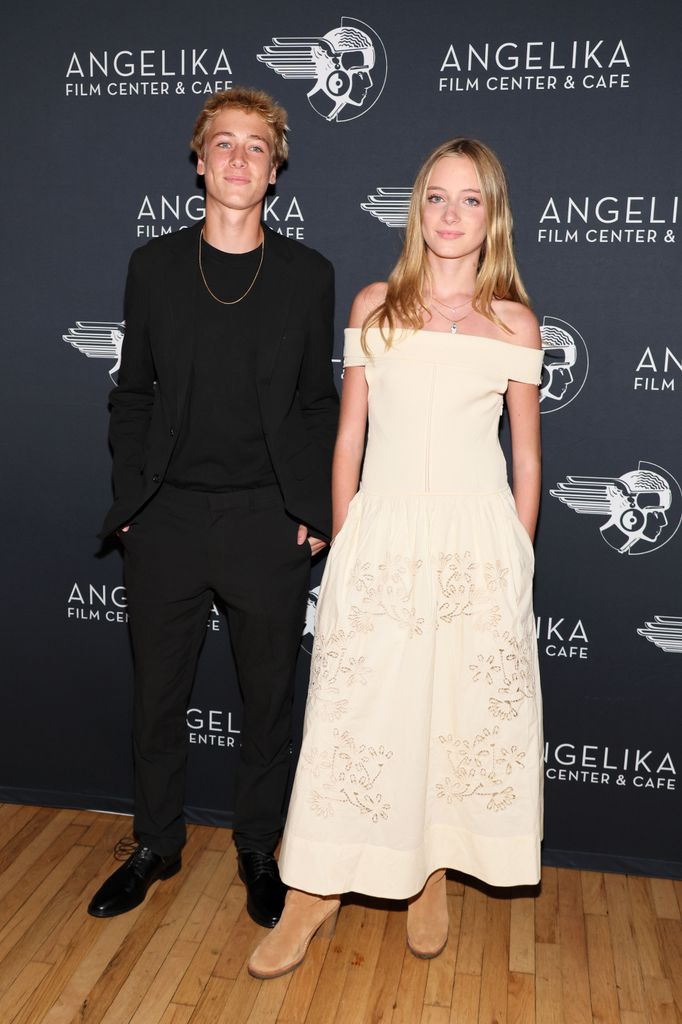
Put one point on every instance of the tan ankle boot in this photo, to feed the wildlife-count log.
(284, 948)
(427, 918)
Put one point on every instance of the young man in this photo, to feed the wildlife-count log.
(222, 427)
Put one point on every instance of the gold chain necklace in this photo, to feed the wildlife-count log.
(230, 302)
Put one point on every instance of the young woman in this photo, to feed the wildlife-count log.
(423, 740)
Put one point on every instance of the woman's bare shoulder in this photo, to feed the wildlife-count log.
(521, 321)
(367, 300)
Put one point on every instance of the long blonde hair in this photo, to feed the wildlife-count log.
(497, 276)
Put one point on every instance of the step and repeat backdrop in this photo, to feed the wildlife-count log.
(581, 102)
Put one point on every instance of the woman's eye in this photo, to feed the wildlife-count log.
(472, 201)
(434, 199)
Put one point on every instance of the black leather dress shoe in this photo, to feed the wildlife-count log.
(265, 890)
(127, 887)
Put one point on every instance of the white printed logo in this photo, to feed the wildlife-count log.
(389, 205)
(348, 66)
(565, 366)
(148, 72)
(658, 374)
(98, 339)
(642, 508)
(211, 728)
(665, 632)
(535, 65)
(163, 214)
(609, 220)
(92, 603)
(610, 765)
(559, 638)
(310, 616)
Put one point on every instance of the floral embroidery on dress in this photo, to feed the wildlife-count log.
(360, 620)
(460, 594)
(332, 666)
(386, 591)
(360, 578)
(495, 576)
(509, 668)
(348, 774)
(342, 771)
(478, 768)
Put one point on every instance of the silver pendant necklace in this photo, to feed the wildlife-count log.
(453, 323)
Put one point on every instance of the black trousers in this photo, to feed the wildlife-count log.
(183, 549)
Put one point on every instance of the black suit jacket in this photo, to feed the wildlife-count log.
(296, 394)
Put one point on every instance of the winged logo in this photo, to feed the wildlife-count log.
(588, 495)
(389, 205)
(347, 65)
(98, 339)
(665, 632)
(291, 57)
(637, 506)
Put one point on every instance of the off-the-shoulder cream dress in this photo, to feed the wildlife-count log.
(422, 745)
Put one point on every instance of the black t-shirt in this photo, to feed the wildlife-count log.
(221, 446)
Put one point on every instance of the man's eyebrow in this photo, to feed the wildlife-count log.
(261, 138)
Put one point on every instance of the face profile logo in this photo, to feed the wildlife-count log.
(665, 632)
(642, 509)
(389, 205)
(348, 66)
(308, 634)
(565, 366)
(98, 339)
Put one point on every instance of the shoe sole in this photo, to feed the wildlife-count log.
(167, 873)
(422, 954)
(324, 930)
(264, 976)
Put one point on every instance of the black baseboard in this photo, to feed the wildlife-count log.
(614, 863)
(74, 801)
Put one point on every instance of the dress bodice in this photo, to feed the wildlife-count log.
(435, 401)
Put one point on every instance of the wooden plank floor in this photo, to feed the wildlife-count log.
(590, 949)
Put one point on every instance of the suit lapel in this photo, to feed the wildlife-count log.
(273, 309)
(181, 284)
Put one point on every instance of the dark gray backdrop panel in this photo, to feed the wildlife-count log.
(89, 177)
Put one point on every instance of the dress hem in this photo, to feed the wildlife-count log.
(331, 868)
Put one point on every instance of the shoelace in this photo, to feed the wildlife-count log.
(262, 864)
(139, 862)
(125, 847)
(128, 849)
